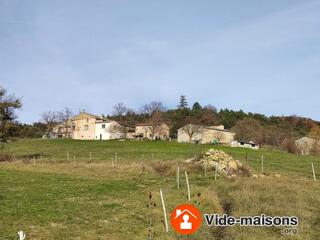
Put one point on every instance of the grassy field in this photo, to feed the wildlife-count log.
(56, 198)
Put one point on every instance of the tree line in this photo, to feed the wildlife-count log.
(279, 131)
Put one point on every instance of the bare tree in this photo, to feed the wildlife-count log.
(210, 107)
(155, 124)
(315, 149)
(249, 129)
(191, 130)
(219, 136)
(120, 109)
(315, 132)
(50, 118)
(191, 127)
(208, 117)
(152, 107)
(64, 117)
(121, 128)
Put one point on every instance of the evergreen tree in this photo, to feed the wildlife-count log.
(196, 107)
(183, 104)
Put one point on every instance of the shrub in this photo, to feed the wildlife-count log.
(162, 168)
(244, 171)
(289, 145)
(5, 157)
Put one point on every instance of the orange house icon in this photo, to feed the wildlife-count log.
(185, 215)
(186, 219)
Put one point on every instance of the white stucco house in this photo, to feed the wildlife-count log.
(108, 129)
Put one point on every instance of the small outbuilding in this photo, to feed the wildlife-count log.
(152, 131)
(245, 144)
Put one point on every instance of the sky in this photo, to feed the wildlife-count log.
(258, 56)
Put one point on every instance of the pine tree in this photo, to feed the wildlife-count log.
(196, 107)
(183, 104)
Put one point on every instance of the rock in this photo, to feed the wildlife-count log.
(261, 175)
(239, 163)
(233, 165)
(189, 160)
(254, 175)
(277, 175)
(212, 158)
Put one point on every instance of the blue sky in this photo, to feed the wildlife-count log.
(259, 56)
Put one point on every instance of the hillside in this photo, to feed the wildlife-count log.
(56, 198)
(57, 150)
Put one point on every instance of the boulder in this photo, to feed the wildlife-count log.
(189, 160)
(233, 165)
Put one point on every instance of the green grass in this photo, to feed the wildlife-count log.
(59, 200)
(274, 161)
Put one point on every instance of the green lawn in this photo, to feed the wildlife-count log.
(274, 161)
(58, 199)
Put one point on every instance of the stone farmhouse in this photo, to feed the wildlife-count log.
(205, 134)
(61, 131)
(86, 126)
(308, 145)
(152, 131)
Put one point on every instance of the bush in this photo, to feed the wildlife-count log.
(244, 171)
(162, 168)
(289, 145)
(5, 157)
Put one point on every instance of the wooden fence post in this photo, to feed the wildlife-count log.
(215, 171)
(187, 180)
(313, 172)
(113, 164)
(178, 177)
(164, 211)
(262, 158)
(142, 164)
(205, 169)
(247, 157)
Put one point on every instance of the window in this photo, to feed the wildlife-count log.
(86, 127)
(103, 126)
